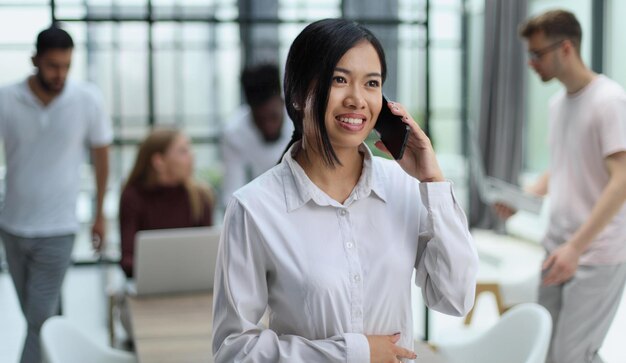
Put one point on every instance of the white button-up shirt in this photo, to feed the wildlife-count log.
(332, 273)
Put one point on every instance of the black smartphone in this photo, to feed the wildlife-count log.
(394, 133)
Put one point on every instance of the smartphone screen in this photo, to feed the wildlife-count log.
(394, 133)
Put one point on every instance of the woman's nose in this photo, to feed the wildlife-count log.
(354, 98)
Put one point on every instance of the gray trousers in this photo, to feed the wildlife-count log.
(582, 310)
(37, 266)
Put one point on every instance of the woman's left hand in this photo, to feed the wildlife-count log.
(419, 159)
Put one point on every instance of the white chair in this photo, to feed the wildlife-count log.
(510, 264)
(522, 335)
(62, 342)
(509, 268)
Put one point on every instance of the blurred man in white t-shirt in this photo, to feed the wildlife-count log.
(48, 125)
(585, 270)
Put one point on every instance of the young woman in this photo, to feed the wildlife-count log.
(328, 239)
(160, 191)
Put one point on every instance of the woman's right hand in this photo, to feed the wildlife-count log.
(383, 349)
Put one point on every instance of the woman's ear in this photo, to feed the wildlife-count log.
(157, 162)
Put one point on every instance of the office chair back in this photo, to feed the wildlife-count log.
(62, 342)
(522, 335)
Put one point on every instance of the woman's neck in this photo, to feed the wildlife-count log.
(338, 181)
(161, 180)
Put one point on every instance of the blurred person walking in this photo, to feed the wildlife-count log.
(584, 273)
(255, 137)
(48, 124)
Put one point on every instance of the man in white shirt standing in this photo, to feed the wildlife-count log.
(47, 123)
(256, 136)
(585, 270)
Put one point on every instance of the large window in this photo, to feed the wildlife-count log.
(615, 50)
(177, 62)
(19, 22)
(172, 63)
(447, 121)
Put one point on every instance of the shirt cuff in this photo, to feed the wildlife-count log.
(357, 347)
(435, 193)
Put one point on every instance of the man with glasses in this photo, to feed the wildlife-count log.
(534, 56)
(47, 124)
(584, 272)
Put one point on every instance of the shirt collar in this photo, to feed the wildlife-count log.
(24, 92)
(29, 96)
(299, 189)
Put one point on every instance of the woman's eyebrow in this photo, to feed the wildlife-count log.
(371, 74)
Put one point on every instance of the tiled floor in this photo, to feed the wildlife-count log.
(84, 303)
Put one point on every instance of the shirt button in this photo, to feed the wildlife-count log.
(349, 244)
(343, 212)
(357, 278)
(358, 313)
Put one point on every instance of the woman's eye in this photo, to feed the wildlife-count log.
(339, 79)
(373, 84)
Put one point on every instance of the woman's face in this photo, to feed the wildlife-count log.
(176, 164)
(355, 97)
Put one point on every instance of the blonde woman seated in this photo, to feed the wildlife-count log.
(161, 192)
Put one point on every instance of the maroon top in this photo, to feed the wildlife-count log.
(154, 208)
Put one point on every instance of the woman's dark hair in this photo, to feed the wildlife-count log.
(53, 38)
(311, 62)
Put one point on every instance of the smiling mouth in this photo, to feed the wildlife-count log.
(351, 121)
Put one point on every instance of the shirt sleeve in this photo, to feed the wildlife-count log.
(234, 168)
(129, 225)
(240, 297)
(447, 262)
(100, 129)
(612, 125)
(207, 215)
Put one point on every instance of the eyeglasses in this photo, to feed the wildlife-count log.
(536, 55)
